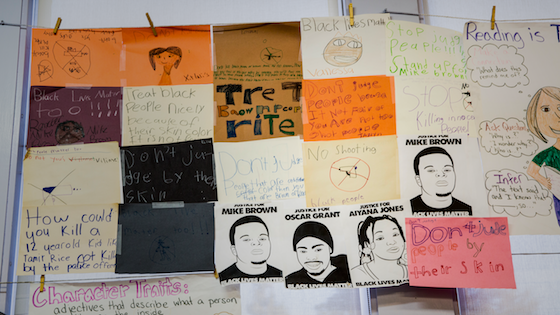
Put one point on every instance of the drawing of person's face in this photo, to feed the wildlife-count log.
(548, 116)
(252, 244)
(69, 132)
(314, 255)
(436, 175)
(343, 51)
(385, 240)
(166, 58)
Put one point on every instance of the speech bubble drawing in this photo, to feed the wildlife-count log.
(500, 66)
(515, 194)
(507, 137)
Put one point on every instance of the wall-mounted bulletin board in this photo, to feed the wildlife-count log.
(360, 163)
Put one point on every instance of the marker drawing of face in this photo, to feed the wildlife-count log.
(69, 132)
(548, 116)
(343, 51)
(166, 58)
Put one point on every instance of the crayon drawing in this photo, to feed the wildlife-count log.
(169, 58)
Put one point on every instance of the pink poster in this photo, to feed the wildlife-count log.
(459, 253)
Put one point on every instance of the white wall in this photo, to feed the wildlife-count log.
(11, 63)
(482, 10)
(132, 13)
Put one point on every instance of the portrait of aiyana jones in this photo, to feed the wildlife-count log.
(382, 250)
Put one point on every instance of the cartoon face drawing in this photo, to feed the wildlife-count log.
(166, 58)
(548, 116)
(343, 51)
(169, 58)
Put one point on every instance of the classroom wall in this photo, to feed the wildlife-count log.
(535, 257)
(130, 13)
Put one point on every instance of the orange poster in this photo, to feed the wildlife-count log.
(257, 83)
(348, 108)
(88, 57)
(178, 55)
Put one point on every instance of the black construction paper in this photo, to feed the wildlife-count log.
(181, 171)
(167, 239)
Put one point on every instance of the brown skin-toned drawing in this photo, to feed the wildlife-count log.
(68, 132)
(169, 58)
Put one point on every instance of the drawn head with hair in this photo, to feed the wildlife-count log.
(68, 132)
(170, 56)
(313, 244)
(543, 113)
(435, 172)
(380, 238)
(249, 239)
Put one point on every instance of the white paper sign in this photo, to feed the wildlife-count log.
(194, 294)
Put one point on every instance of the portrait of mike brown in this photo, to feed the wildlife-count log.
(250, 244)
(435, 174)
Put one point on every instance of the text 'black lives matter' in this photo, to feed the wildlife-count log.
(181, 171)
(66, 115)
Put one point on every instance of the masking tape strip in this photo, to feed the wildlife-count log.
(168, 204)
(79, 86)
(303, 105)
(213, 47)
(214, 112)
(122, 63)
(123, 180)
(119, 239)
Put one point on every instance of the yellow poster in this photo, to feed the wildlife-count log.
(425, 51)
(437, 106)
(166, 114)
(191, 294)
(352, 171)
(67, 239)
(72, 175)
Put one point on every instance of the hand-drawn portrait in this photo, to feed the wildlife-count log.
(168, 58)
(435, 175)
(250, 244)
(313, 244)
(68, 132)
(543, 119)
(343, 51)
(382, 250)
